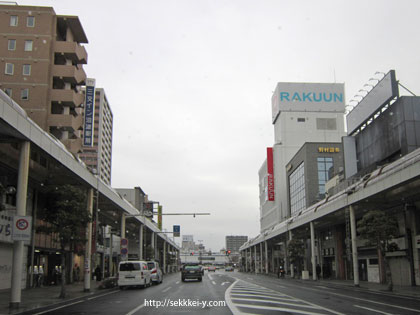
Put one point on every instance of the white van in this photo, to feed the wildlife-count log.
(133, 273)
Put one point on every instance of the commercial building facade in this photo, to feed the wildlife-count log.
(98, 156)
(381, 159)
(301, 112)
(234, 242)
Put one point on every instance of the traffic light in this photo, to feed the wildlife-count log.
(192, 254)
(227, 252)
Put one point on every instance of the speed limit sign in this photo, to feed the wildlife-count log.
(21, 230)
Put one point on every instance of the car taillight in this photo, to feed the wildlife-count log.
(154, 271)
(142, 273)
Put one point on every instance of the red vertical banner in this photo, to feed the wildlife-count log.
(270, 174)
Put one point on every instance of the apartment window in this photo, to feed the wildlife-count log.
(8, 91)
(13, 20)
(24, 94)
(28, 45)
(30, 21)
(26, 69)
(11, 44)
(9, 68)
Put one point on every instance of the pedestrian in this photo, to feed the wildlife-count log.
(98, 273)
(318, 271)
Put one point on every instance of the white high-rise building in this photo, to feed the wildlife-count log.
(301, 112)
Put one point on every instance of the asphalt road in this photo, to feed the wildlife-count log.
(223, 292)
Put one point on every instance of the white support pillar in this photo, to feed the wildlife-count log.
(153, 246)
(266, 257)
(261, 257)
(313, 259)
(141, 242)
(123, 225)
(18, 246)
(292, 269)
(354, 247)
(164, 257)
(255, 258)
(246, 260)
(88, 251)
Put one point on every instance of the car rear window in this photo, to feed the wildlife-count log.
(192, 268)
(129, 266)
(151, 265)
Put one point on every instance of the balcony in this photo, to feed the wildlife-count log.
(69, 74)
(72, 51)
(73, 145)
(67, 97)
(65, 122)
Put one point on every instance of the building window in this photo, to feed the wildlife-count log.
(13, 20)
(30, 21)
(297, 190)
(8, 91)
(28, 45)
(9, 69)
(24, 94)
(26, 69)
(301, 120)
(11, 44)
(325, 165)
(326, 124)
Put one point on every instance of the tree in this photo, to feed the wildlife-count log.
(66, 216)
(296, 252)
(378, 228)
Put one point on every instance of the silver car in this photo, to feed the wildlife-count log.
(156, 274)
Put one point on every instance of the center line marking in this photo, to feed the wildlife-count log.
(135, 310)
(167, 289)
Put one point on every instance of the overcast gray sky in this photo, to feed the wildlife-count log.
(190, 84)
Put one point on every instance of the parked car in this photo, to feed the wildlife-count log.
(229, 268)
(133, 273)
(156, 274)
(212, 268)
(191, 271)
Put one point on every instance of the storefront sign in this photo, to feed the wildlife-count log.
(328, 150)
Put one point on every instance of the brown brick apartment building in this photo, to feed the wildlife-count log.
(41, 68)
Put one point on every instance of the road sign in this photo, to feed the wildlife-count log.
(177, 231)
(21, 230)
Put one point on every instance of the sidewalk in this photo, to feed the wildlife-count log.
(370, 286)
(40, 297)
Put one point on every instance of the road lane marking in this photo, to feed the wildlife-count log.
(281, 309)
(228, 300)
(135, 310)
(278, 302)
(177, 282)
(372, 310)
(225, 283)
(272, 292)
(322, 287)
(210, 277)
(364, 300)
(167, 289)
(214, 282)
(57, 308)
(94, 297)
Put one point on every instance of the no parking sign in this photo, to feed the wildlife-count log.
(21, 229)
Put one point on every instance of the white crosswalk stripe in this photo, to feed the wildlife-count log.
(248, 298)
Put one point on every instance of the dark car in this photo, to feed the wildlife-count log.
(191, 271)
